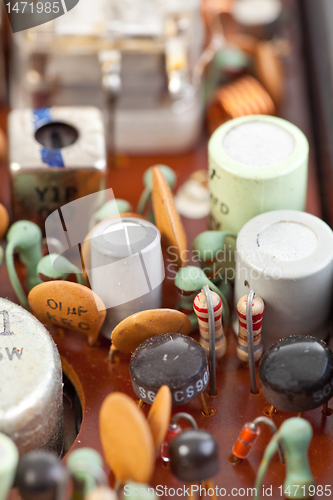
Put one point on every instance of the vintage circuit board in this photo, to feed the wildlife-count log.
(93, 377)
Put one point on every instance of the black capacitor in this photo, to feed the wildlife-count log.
(296, 373)
(193, 456)
(170, 359)
(41, 476)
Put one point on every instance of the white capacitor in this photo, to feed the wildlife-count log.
(31, 399)
(286, 256)
(127, 268)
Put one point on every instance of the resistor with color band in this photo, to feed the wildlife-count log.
(258, 309)
(201, 310)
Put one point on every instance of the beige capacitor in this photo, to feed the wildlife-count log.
(31, 404)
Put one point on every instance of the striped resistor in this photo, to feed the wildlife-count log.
(201, 310)
(258, 309)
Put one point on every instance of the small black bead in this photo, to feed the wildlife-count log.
(38, 476)
(193, 456)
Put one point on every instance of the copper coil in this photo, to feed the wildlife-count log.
(245, 96)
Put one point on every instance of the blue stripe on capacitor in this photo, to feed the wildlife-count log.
(51, 157)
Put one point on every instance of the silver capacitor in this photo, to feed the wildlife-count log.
(31, 396)
(126, 268)
(56, 155)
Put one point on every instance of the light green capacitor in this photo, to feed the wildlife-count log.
(294, 436)
(57, 267)
(257, 163)
(86, 468)
(25, 238)
(8, 462)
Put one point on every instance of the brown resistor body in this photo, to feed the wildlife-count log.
(258, 309)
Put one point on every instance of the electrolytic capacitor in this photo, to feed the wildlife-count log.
(173, 360)
(296, 373)
(259, 18)
(126, 268)
(257, 163)
(31, 403)
(8, 461)
(258, 310)
(41, 476)
(286, 257)
(201, 310)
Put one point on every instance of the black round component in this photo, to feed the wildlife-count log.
(56, 135)
(40, 476)
(193, 456)
(296, 373)
(173, 360)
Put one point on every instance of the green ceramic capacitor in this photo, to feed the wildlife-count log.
(57, 267)
(25, 238)
(86, 468)
(8, 461)
(257, 163)
(294, 436)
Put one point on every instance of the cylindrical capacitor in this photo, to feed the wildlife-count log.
(126, 268)
(259, 18)
(258, 309)
(247, 437)
(31, 407)
(257, 163)
(201, 310)
(286, 256)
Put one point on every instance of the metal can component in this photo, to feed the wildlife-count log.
(286, 257)
(126, 268)
(56, 156)
(31, 407)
